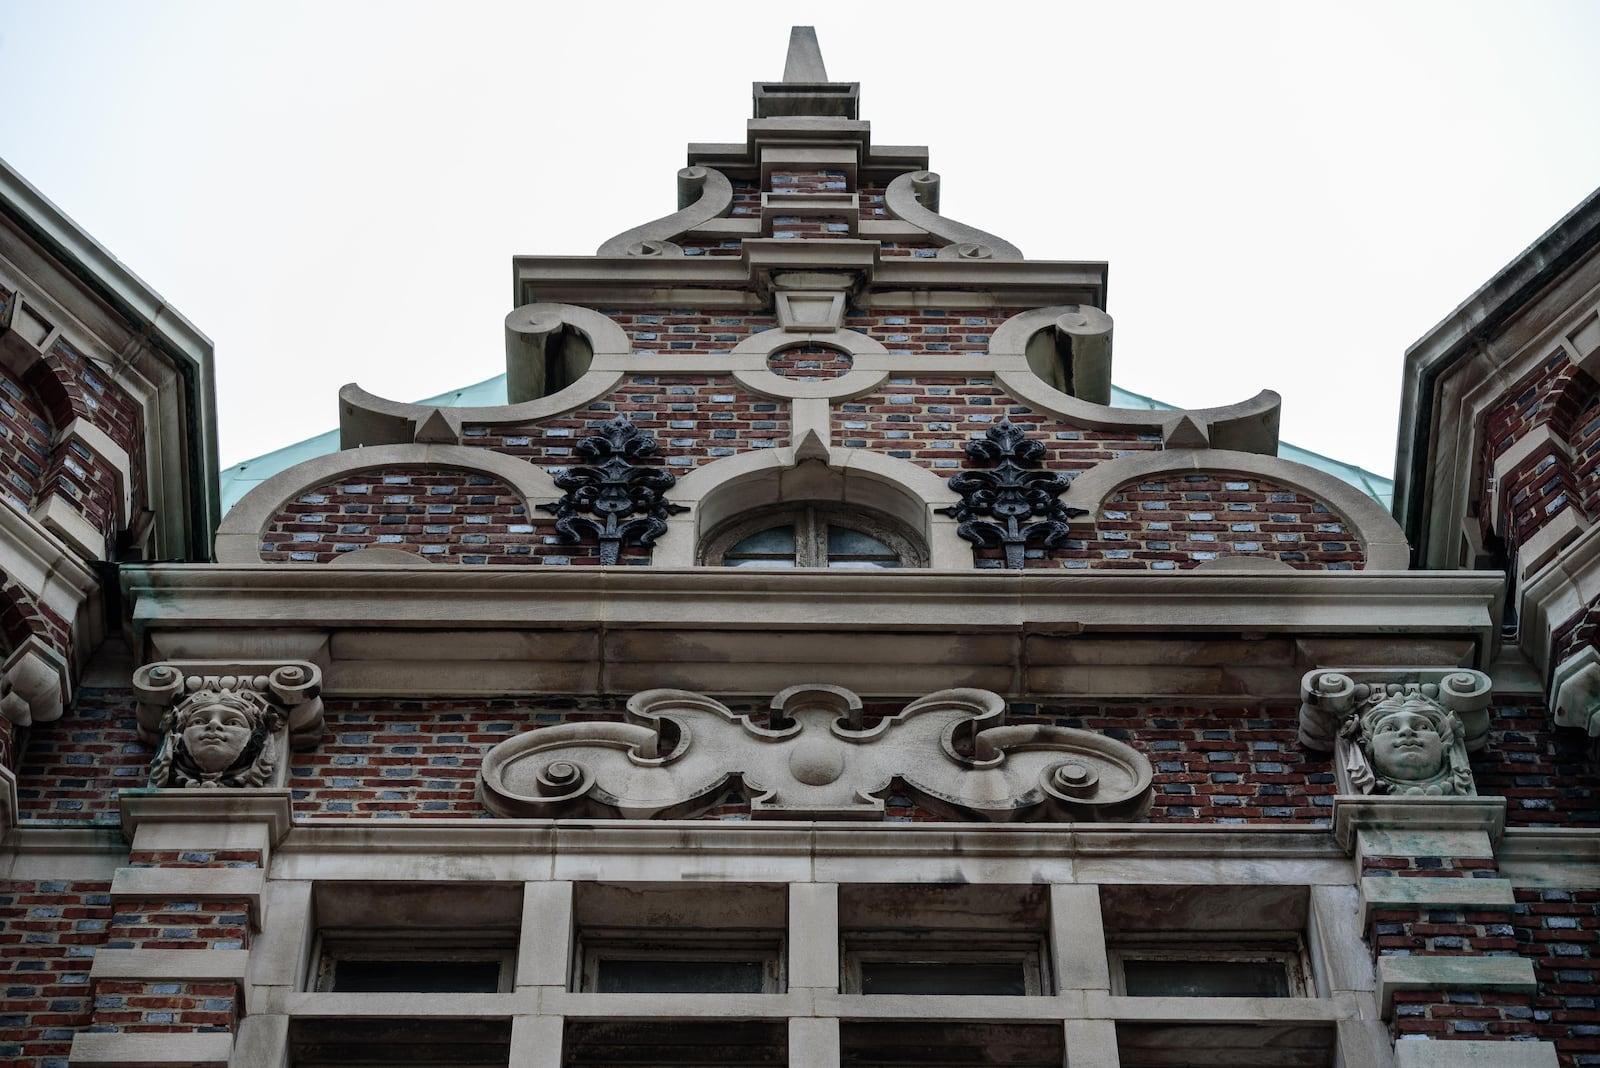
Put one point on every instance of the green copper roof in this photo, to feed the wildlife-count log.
(241, 478)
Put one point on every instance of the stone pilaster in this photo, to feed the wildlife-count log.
(1438, 918)
(168, 985)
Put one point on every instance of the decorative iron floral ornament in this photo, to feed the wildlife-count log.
(624, 498)
(1014, 504)
(681, 753)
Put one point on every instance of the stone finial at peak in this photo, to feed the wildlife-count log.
(804, 63)
(805, 91)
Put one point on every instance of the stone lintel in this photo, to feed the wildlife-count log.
(1508, 975)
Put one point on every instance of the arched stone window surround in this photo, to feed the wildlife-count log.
(1382, 541)
(907, 545)
(239, 535)
(718, 493)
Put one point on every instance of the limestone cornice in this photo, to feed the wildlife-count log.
(434, 630)
(724, 282)
(1108, 852)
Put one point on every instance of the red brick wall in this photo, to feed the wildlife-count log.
(686, 331)
(1559, 930)
(928, 420)
(26, 432)
(71, 769)
(21, 616)
(695, 419)
(445, 516)
(1179, 521)
(925, 331)
(1541, 770)
(48, 934)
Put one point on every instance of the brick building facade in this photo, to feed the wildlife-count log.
(804, 664)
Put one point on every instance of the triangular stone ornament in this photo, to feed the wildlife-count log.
(1185, 433)
(811, 447)
(436, 430)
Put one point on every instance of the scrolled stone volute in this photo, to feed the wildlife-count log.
(820, 757)
(1328, 696)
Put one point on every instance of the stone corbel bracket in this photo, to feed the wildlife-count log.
(1575, 695)
(35, 683)
(914, 198)
(704, 193)
(1328, 696)
(294, 686)
(680, 753)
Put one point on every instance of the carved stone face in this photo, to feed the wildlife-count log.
(215, 735)
(1406, 747)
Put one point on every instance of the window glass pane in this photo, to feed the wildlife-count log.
(851, 548)
(774, 547)
(680, 976)
(942, 977)
(1205, 978)
(417, 976)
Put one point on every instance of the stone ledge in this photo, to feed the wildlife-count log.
(150, 807)
(1392, 893)
(1354, 813)
(1426, 1053)
(193, 965)
(191, 884)
(151, 1050)
(1511, 975)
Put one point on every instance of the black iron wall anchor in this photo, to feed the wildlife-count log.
(996, 505)
(622, 497)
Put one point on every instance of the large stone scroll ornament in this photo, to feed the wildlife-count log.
(624, 499)
(681, 753)
(226, 724)
(1014, 503)
(1397, 732)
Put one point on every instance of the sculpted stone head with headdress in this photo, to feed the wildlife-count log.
(218, 738)
(1406, 744)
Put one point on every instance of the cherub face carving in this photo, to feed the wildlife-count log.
(1407, 747)
(215, 735)
(218, 738)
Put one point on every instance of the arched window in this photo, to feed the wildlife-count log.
(813, 535)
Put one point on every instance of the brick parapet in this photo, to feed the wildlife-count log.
(655, 331)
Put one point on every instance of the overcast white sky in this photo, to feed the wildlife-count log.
(1288, 194)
